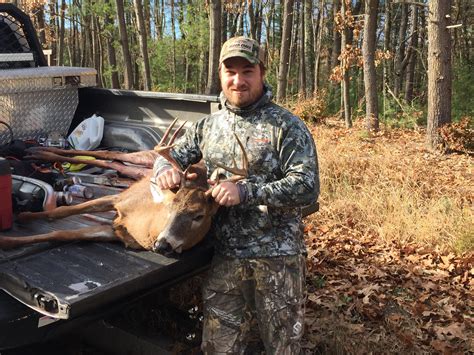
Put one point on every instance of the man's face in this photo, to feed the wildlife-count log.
(242, 82)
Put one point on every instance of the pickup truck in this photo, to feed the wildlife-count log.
(49, 289)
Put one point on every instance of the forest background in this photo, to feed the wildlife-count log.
(314, 49)
(386, 88)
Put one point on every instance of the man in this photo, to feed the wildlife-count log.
(258, 271)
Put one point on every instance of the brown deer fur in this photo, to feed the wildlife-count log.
(140, 222)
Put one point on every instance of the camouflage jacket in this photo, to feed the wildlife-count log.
(283, 175)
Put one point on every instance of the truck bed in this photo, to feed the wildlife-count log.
(79, 280)
(49, 288)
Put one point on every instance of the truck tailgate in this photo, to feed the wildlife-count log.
(67, 280)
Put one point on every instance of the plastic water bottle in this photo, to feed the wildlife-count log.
(88, 134)
(6, 210)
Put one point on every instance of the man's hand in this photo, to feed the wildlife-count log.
(226, 194)
(171, 178)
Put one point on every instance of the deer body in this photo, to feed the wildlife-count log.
(179, 222)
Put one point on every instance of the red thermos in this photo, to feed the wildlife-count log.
(6, 212)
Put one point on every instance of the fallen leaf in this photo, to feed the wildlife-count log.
(454, 330)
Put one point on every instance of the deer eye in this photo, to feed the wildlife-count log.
(198, 218)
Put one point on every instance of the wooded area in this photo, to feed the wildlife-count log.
(357, 58)
(390, 252)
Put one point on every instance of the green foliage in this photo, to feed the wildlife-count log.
(463, 91)
(465, 242)
(194, 39)
(318, 281)
(401, 114)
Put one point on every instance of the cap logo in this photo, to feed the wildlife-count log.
(241, 45)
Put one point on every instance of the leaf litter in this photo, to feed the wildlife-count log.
(369, 294)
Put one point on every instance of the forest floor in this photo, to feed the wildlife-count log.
(391, 262)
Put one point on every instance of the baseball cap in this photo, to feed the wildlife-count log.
(242, 47)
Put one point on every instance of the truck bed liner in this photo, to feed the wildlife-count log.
(66, 280)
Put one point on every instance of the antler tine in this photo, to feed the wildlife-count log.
(167, 132)
(173, 137)
(239, 173)
(164, 148)
(245, 159)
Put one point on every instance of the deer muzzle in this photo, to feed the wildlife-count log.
(161, 246)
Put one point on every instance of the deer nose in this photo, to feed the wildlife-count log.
(162, 246)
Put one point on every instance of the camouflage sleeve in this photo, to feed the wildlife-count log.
(186, 150)
(299, 164)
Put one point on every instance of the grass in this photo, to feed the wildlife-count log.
(389, 185)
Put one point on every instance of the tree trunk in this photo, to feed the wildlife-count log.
(293, 61)
(143, 41)
(127, 59)
(100, 40)
(159, 18)
(240, 24)
(439, 72)
(400, 54)
(86, 37)
(421, 67)
(270, 28)
(41, 28)
(147, 18)
(466, 32)
(336, 36)
(62, 30)
(173, 33)
(224, 27)
(76, 37)
(301, 53)
(96, 50)
(53, 32)
(387, 47)
(345, 84)
(214, 47)
(368, 52)
(203, 66)
(111, 54)
(318, 45)
(285, 49)
(309, 44)
(259, 22)
(410, 71)
(252, 20)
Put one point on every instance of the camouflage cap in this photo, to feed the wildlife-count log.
(242, 47)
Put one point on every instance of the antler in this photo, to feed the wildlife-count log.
(239, 173)
(164, 148)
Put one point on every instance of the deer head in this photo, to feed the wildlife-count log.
(189, 217)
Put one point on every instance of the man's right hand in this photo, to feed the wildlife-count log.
(171, 178)
(168, 179)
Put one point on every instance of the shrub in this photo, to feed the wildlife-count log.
(312, 109)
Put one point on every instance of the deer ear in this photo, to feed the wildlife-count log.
(213, 204)
(175, 190)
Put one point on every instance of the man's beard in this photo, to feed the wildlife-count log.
(244, 98)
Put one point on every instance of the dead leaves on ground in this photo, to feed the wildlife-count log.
(380, 297)
(368, 295)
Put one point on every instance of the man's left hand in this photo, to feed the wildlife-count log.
(226, 194)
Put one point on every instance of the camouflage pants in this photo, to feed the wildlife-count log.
(240, 291)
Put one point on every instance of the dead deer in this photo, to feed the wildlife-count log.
(177, 223)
